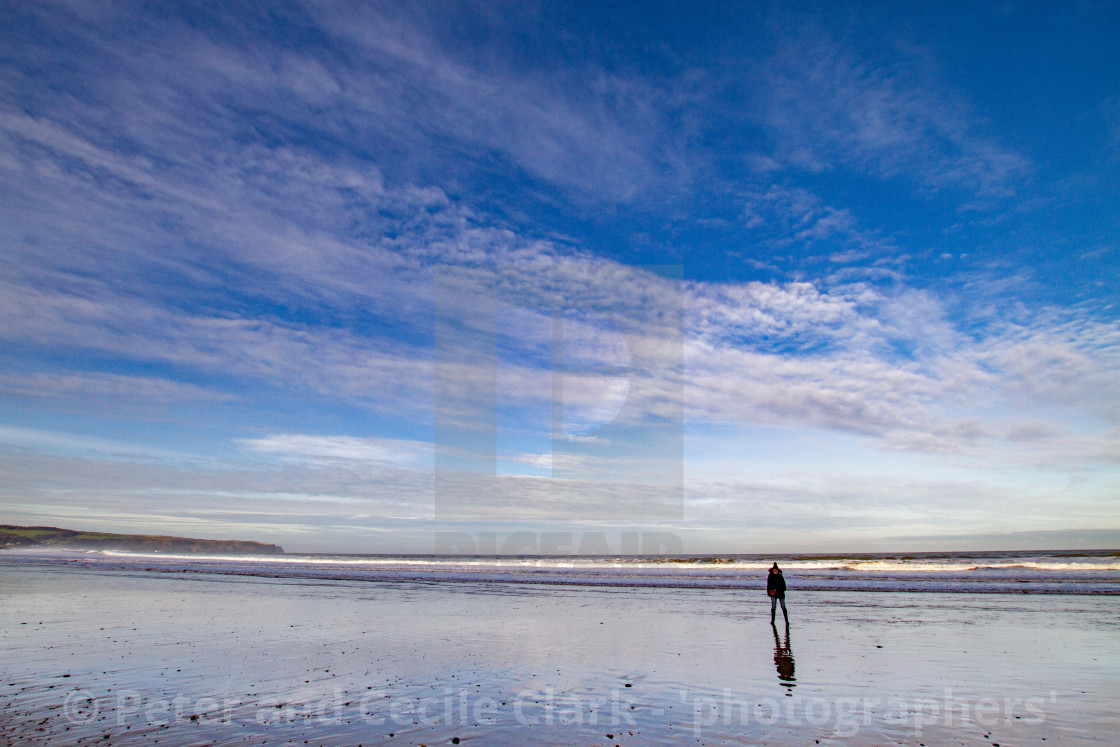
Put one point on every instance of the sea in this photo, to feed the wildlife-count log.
(1022, 572)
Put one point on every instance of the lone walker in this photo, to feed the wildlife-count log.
(776, 588)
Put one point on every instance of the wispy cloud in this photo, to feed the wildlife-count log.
(829, 104)
(601, 134)
(105, 386)
(793, 216)
(327, 449)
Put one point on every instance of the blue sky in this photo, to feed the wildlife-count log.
(763, 276)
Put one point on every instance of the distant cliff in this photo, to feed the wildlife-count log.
(53, 537)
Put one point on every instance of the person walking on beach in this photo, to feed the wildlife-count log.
(776, 588)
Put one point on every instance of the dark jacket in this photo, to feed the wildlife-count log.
(776, 583)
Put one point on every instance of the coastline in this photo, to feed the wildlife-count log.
(205, 657)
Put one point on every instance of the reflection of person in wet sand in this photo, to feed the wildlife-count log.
(783, 658)
(776, 588)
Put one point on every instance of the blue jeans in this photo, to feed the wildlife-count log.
(774, 605)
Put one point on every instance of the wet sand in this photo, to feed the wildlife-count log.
(121, 657)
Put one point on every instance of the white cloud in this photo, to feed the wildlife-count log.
(326, 449)
(889, 365)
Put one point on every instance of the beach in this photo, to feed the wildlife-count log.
(136, 653)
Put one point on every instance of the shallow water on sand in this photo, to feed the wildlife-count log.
(192, 658)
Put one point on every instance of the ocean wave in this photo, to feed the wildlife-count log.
(1017, 573)
(947, 565)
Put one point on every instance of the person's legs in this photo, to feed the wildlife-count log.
(784, 613)
(773, 606)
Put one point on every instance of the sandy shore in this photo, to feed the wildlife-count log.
(94, 657)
